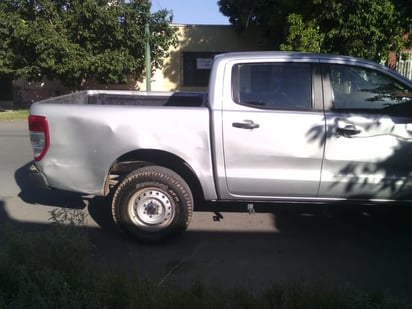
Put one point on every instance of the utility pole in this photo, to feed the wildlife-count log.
(148, 61)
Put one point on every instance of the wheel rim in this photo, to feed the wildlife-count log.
(151, 208)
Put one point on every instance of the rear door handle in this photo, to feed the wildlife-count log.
(245, 124)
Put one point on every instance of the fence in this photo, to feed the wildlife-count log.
(404, 64)
(404, 67)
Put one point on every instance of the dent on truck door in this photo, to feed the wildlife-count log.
(268, 135)
(369, 146)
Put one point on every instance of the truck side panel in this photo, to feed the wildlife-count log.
(85, 140)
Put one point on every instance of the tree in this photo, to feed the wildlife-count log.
(6, 55)
(269, 15)
(76, 40)
(404, 7)
(303, 37)
(364, 28)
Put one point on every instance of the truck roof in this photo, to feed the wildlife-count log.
(284, 56)
(288, 55)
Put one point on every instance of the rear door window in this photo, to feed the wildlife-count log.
(273, 85)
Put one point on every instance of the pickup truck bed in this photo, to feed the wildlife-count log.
(112, 97)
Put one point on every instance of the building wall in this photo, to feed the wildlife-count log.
(197, 39)
(25, 92)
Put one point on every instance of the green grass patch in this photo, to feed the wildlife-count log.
(55, 268)
(14, 114)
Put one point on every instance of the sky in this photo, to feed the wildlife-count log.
(202, 12)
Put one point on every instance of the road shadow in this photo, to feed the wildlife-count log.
(338, 245)
(331, 247)
(288, 218)
(32, 193)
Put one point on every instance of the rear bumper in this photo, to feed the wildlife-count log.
(38, 178)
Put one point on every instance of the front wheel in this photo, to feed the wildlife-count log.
(152, 203)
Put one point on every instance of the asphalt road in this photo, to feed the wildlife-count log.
(355, 246)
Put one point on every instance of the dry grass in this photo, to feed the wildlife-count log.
(14, 114)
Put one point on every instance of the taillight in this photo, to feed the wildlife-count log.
(39, 136)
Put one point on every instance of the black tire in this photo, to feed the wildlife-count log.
(152, 203)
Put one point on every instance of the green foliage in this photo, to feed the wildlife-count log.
(76, 40)
(302, 37)
(66, 216)
(269, 15)
(6, 55)
(404, 7)
(363, 28)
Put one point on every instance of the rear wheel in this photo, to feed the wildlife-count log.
(152, 203)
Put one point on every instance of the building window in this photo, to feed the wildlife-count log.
(196, 68)
(6, 89)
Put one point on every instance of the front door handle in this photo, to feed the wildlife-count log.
(348, 131)
(246, 124)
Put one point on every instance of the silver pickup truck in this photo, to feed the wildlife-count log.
(273, 127)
